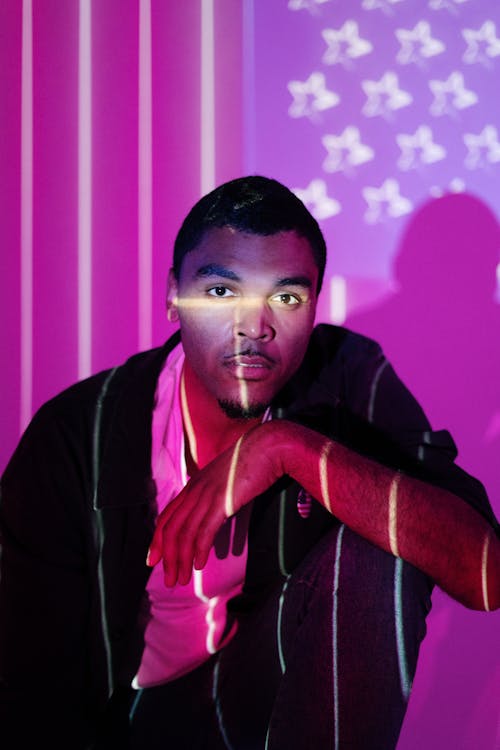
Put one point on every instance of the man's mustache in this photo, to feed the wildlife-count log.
(251, 352)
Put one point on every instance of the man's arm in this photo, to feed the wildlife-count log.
(429, 527)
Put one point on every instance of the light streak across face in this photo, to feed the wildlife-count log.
(245, 304)
(243, 387)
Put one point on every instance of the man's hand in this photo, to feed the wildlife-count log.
(186, 529)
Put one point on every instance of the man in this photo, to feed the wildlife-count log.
(303, 509)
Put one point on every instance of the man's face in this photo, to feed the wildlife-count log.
(246, 306)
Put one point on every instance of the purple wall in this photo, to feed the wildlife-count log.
(371, 110)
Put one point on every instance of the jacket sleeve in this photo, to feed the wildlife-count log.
(45, 594)
(393, 413)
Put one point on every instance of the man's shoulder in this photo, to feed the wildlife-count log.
(332, 342)
(111, 382)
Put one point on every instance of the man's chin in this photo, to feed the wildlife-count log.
(235, 410)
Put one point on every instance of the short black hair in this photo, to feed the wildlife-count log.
(256, 205)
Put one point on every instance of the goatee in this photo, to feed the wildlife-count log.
(235, 410)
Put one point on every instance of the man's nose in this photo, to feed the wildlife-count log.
(253, 320)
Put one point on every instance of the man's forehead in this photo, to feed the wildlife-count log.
(230, 253)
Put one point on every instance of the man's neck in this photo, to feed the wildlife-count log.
(207, 429)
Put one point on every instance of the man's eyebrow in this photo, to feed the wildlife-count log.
(214, 269)
(295, 281)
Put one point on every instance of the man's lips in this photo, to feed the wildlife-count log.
(250, 365)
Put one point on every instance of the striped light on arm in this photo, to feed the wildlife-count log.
(393, 514)
(229, 501)
(323, 474)
(484, 571)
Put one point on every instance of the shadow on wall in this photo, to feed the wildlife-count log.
(441, 331)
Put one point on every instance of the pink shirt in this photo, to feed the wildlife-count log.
(186, 622)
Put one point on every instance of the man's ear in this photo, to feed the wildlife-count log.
(172, 291)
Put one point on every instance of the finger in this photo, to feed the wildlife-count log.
(196, 537)
(205, 537)
(155, 551)
(185, 550)
(176, 543)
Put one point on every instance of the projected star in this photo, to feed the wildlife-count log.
(384, 95)
(310, 5)
(456, 185)
(345, 151)
(344, 44)
(417, 43)
(418, 148)
(446, 4)
(482, 147)
(385, 201)
(481, 43)
(451, 95)
(311, 96)
(385, 5)
(315, 197)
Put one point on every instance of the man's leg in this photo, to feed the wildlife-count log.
(327, 662)
(179, 715)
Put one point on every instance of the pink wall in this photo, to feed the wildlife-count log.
(118, 161)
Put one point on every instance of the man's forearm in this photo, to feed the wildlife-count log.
(429, 527)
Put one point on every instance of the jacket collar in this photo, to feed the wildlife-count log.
(124, 432)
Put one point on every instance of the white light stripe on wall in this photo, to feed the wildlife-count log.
(207, 124)
(145, 239)
(85, 190)
(249, 106)
(338, 300)
(26, 215)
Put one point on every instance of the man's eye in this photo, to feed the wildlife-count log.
(220, 291)
(286, 299)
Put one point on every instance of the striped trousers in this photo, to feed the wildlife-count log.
(326, 661)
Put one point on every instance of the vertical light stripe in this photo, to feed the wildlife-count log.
(281, 654)
(373, 390)
(282, 512)
(99, 527)
(85, 190)
(26, 216)
(393, 514)
(400, 638)
(188, 425)
(338, 300)
(484, 572)
(207, 124)
(218, 710)
(136, 700)
(96, 437)
(249, 105)
(229, 498)
(281, 534)
(323, 474)
(336, 575)
(145, 193)
(242, 385)
(211, 603)
(211, 623)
